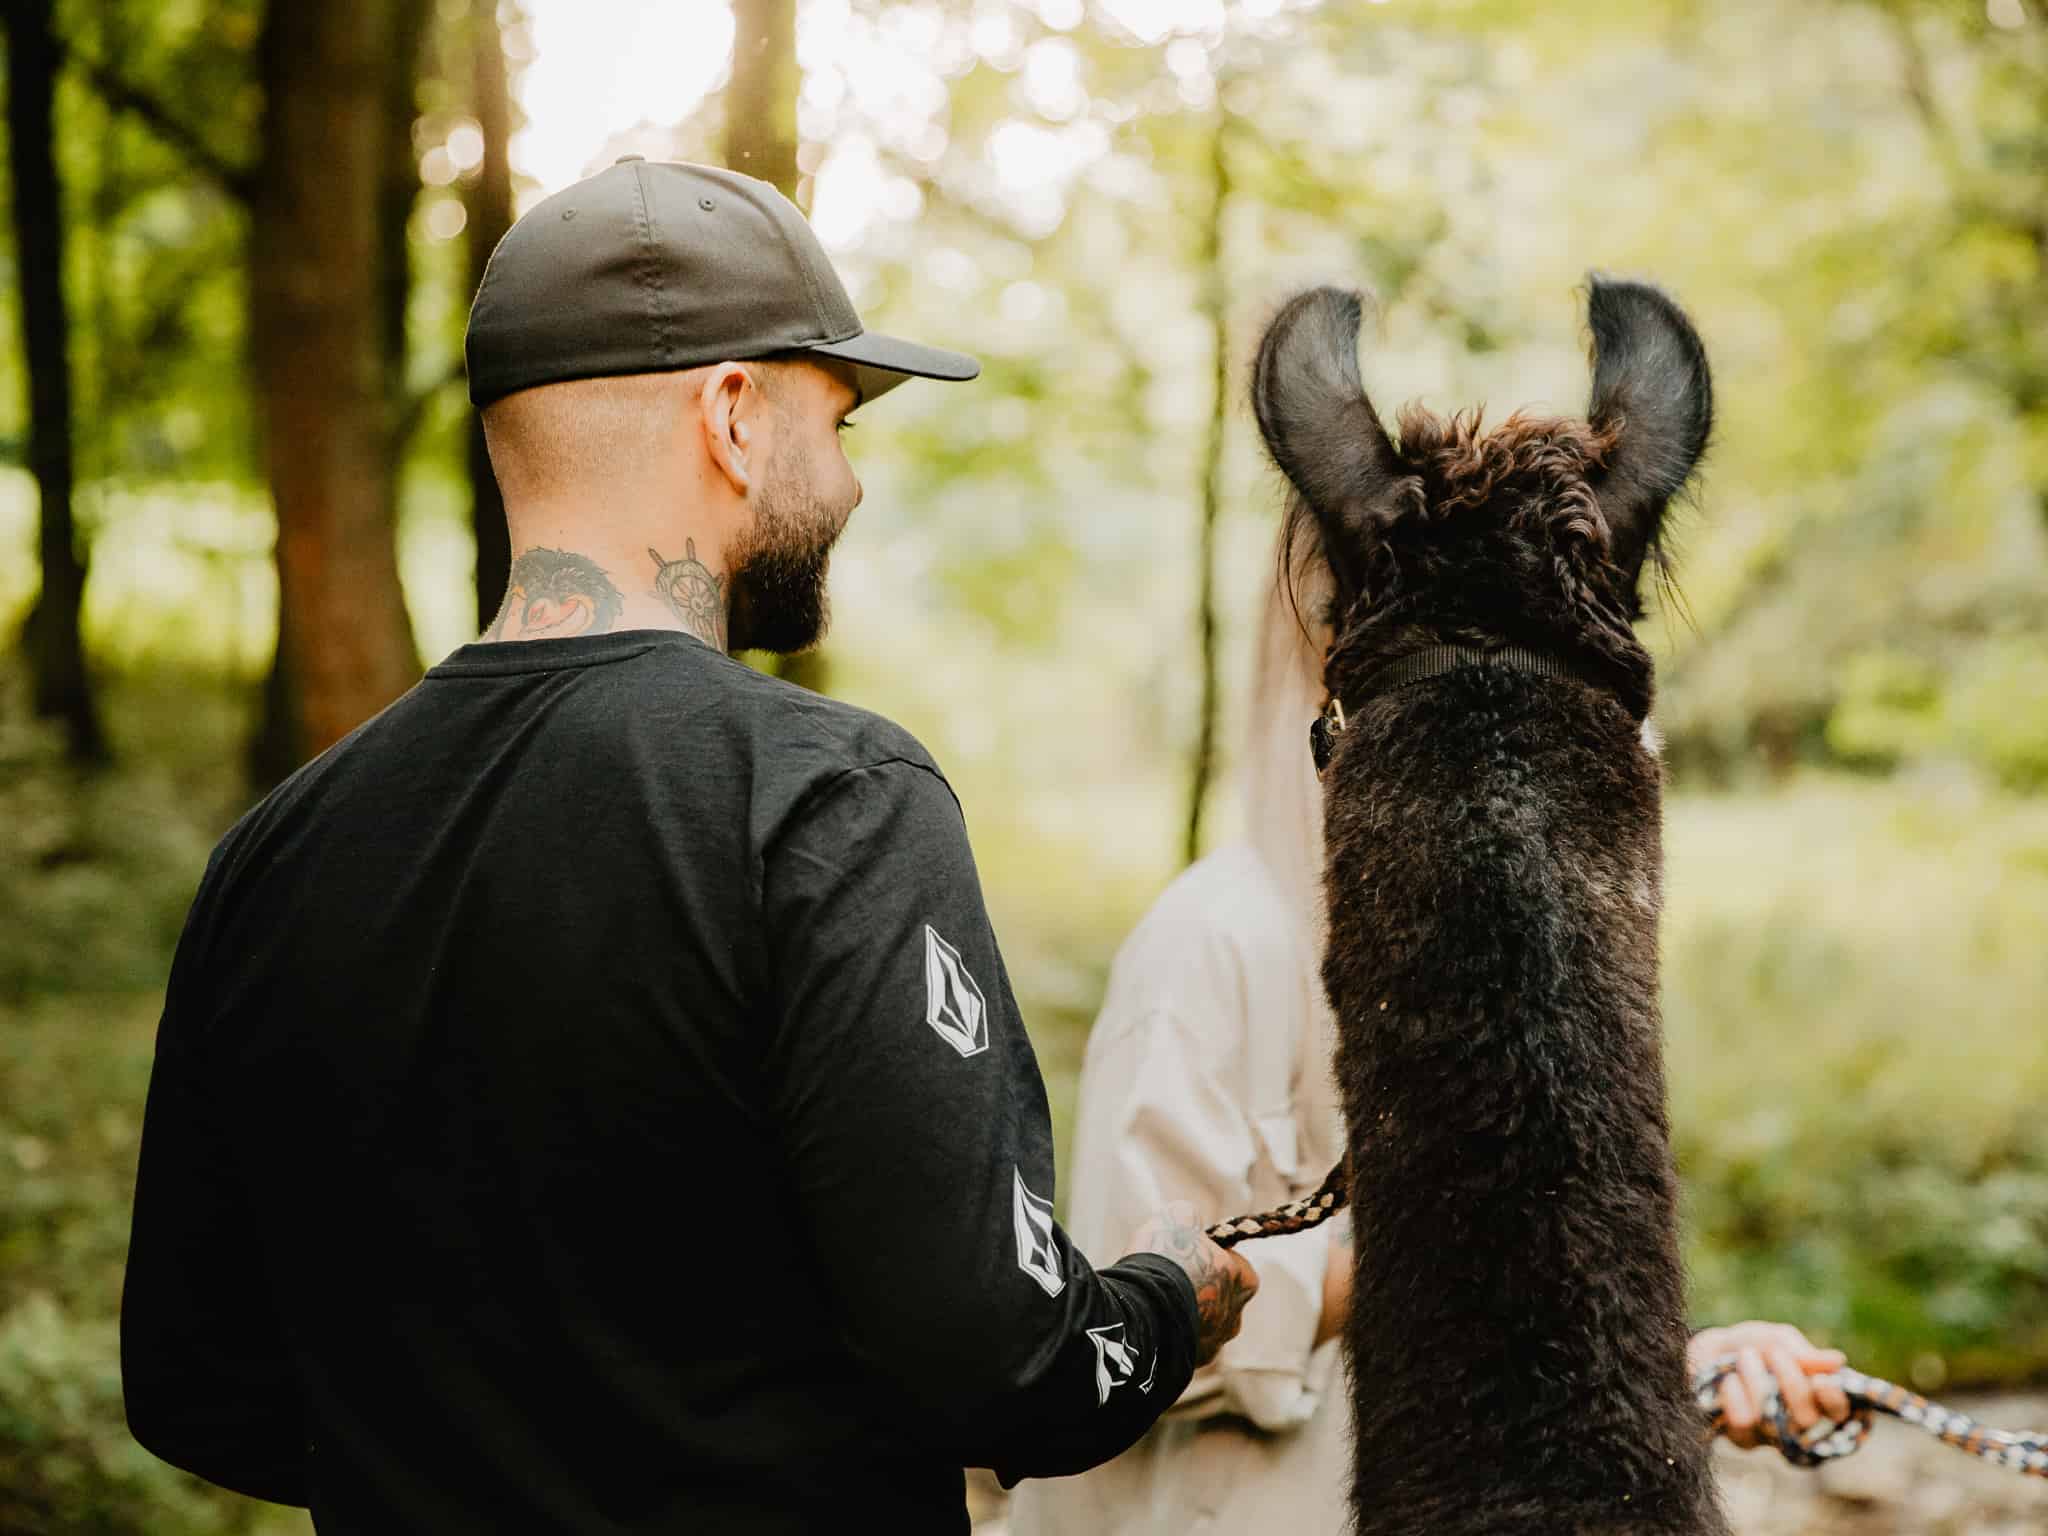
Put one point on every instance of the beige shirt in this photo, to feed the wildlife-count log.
(1207, 1079)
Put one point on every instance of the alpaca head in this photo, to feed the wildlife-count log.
(1534, 534)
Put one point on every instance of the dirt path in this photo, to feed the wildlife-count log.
(1902, 1483)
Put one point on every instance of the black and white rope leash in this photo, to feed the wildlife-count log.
(1868, 1396)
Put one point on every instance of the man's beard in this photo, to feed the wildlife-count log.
(779, 567)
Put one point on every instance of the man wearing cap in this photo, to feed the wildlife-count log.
(589, 1098)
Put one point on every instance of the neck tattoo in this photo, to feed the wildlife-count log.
(693, 594)
(556, 594)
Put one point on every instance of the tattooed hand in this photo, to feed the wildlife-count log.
(1223, 1281)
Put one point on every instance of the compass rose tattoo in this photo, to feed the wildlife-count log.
(693, 594)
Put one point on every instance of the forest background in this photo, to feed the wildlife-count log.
(243, 239)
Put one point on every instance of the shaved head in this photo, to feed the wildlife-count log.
(579, 433)
(561, 437)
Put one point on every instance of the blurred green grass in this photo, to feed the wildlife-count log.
(1856, 984)
(95, 875)
(1855, 988)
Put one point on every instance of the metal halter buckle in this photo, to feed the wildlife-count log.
(1419, 666)
(1323, 732)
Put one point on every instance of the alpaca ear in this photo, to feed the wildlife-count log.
(1322, 430)
(1650, 379)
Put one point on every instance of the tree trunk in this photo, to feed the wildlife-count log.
(322, 337)
(398, 190)
(51, 639)
(760, 104)
(1215, 302)
(760, 139)
(490, 215)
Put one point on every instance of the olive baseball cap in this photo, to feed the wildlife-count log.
(652, 265)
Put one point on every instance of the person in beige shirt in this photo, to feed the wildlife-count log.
(1207, 1079)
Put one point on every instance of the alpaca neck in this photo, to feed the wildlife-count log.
(1494, 870)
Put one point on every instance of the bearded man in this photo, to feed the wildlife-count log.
(589, 1098)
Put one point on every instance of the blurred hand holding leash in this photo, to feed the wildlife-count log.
(1829, 1440)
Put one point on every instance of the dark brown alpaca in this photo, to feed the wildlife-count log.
(1493, 873)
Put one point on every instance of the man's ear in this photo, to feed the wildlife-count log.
(726, 406)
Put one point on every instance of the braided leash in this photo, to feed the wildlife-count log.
(2026, 1454)
(1868, 1396)
(1310, 1210)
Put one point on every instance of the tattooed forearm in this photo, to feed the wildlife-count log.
(693, 594)
(555, 594)
(1223, 1282)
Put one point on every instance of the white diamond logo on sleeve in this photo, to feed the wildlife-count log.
(1037, 1254)
(1114, 1362)
(953, 1004)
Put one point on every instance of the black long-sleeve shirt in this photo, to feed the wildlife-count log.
(590, 1099)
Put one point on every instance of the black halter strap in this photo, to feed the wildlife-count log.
(1414, 668)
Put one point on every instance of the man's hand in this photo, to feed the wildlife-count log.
(1764, 1352)
(1223, 1281)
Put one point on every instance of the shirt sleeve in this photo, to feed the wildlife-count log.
(208, 1383)
(1161, 1120)
(920, 1148)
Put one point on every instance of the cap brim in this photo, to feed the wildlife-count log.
(883, 362)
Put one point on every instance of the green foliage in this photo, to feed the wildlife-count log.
(75, 1070)
(1853, 1003)
(1894, 707)
(66, 1461)
(2001, 710)
(1895, 604)
(156, 279)
(95, 875)
(96, 871)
